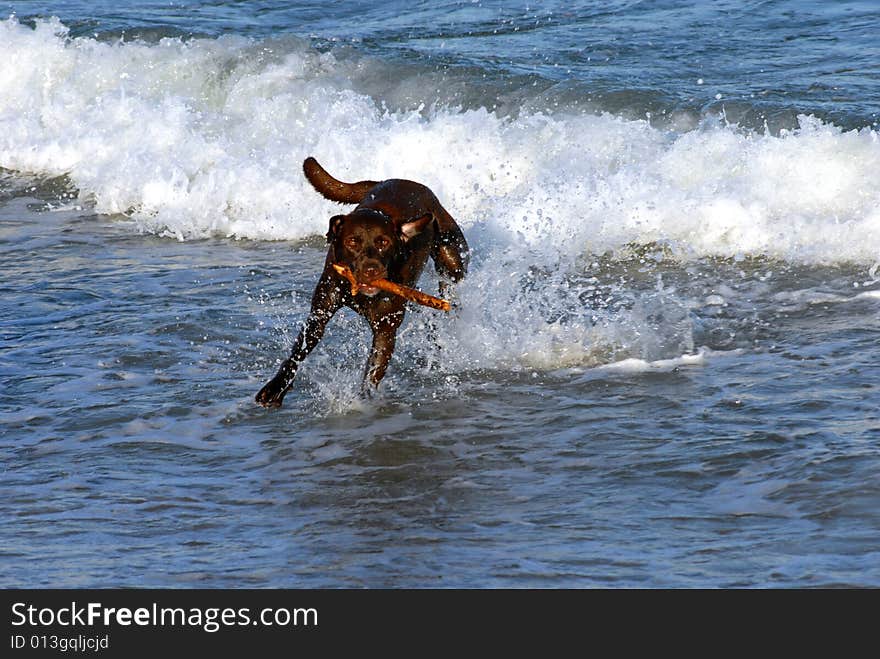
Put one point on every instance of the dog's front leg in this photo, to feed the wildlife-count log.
(451, 256)
(272, 394)
(384, 338)
(324, 305)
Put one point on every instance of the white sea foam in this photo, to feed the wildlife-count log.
(206, 137)
(802, 299)
(634, 365)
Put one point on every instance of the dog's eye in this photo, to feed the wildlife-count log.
(352, 241)
(382, 242)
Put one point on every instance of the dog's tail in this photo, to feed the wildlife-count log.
(332, 189)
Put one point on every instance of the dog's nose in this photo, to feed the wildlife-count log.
(372, 271)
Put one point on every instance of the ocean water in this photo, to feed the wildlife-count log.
(663, 370)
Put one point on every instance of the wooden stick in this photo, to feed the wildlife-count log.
(346, 272)
(405, 292)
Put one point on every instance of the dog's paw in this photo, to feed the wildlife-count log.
(271, 395)
(368, 389)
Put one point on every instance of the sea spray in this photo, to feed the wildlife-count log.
(200, 137)
(205, 137)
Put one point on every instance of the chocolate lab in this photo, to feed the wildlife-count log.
(391, 232)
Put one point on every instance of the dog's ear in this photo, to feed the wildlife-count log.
(414, 227)
(335, 224)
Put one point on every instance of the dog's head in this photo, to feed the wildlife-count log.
(369, 242)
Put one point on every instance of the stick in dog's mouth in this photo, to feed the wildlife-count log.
(405, 292)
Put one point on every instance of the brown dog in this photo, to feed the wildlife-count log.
(389, 235)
